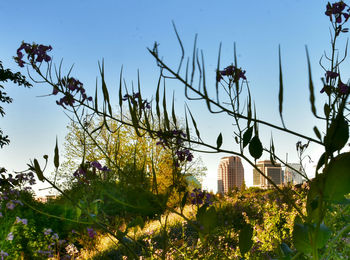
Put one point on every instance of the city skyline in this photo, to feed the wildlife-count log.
(231, 174)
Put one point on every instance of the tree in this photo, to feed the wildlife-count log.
(133, 160)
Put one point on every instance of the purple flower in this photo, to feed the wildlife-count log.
(9, 236)
(10, 205)
(343, 88)
(231, 71)
(98, 166)
(336, 10)
(47, 231)
(1, 215)
(35, 53)
(3, 255)
(91, 232)
(200, 197)
(55, 236)
(23, 221)
(331, 75)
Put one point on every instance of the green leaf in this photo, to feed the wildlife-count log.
(78, 212)
(313, 200)
(184, 200)
(245, 239)
(321, 161)
(337, 178)
(187, 128)
(194, 124)
(326, 110)
(38, 171)
(173, 110)
(287, 252)
(301, 238)
(311, 85)
(323, 235)
(209, 219)
(56, 159)
(249, 109)
(219, 141)
(337, 134)
(317, 133)
(157, 98)
(247, 136)
(165, 112)
(280, 94)
(255, 147)
(120, 89)
(272, 152)
(104, 88)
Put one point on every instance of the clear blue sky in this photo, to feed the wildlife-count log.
(83, 32)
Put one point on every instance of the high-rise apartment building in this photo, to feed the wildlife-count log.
(230, 174)
(274, 172)
(291, 176)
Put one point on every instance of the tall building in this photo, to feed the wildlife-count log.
(274, 172)
(291, 176)
(230, 174)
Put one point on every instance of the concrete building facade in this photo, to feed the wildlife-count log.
(291, 176)
(230, 174)
(274, 172)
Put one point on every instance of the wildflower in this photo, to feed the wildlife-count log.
(231, 71)
(47, 231)
(200, 197)
(23, 221)
(331, 75)
(343, 88)
(3, 255)
(9, 236)
(71, 249)
(98, 166)
(337, 9)
(35, 53)
(91, 232)
(55, 236)
(10, 205)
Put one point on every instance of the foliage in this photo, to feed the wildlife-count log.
(286, 223)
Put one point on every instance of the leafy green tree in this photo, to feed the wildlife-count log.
(134, 160)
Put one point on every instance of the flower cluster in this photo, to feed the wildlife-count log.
(337, 10)
(170, 137)
(71, 249)
(91, 232)
(341, 88)
(72, 87)
(35, 53)
(23, 221)
(97, 165)
(231, 71)
(54, 243)
(200, 197)
(175, 137)
(87, 171)
(183, 155)
(143, 103)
